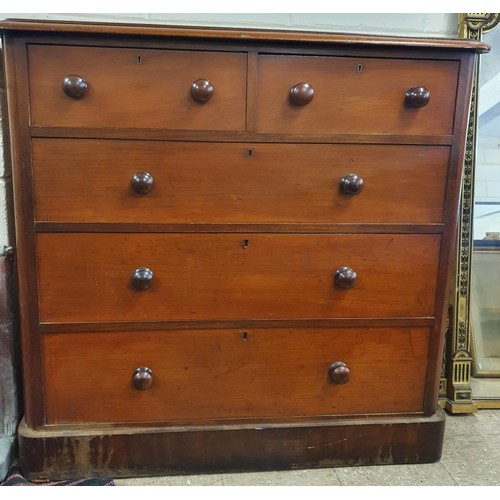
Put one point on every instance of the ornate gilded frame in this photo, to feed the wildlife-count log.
(455, 390)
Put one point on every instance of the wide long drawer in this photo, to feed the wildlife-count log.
(175, 182)
(155, 277)
(232, 374)
(356, 95)
(136, 88)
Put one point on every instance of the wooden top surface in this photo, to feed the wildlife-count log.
(239, 34)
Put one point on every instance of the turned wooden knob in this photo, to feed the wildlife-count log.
(339, 373)
(301, 94)
(202, 90)
(142, 378)
(75, 86)
(351, 184)
(142, 182)
(417, 97)
(345, 277)
(142, 279)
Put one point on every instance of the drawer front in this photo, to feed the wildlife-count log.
(104, 181)
(197, 276)
(136, 88)
(230, 374)
(355, 95)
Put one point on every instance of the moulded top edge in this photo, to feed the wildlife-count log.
(240, 34)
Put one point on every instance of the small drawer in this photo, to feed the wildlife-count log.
(136, 88)
(350, 95)
(118, 181)
(203, 276)
(233, 374)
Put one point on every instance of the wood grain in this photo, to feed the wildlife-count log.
(87, 277)
(124, 93)
(89, 181)
(219, 374)
(355, 95)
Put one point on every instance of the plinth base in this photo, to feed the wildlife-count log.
(68, 452)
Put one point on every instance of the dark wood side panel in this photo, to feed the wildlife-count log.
(20, 154)
(131, 88)
(91, 181)
(231, 374)
(234, 276)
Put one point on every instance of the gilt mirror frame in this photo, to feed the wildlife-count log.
(455, 388)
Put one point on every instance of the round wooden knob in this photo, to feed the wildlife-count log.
(351, 184)
(202, 90)
(301, 94)
(345, 277)
(142, 279)
(417, 97)
(339, 373)
(142, 378)
(142, 182)
(75, 86)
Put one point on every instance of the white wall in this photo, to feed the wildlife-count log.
(432, 25)
(440, 25)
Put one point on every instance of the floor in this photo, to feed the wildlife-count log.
(471, 457)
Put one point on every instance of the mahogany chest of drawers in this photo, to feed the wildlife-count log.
(233, 246)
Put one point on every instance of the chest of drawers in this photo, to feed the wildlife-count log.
(233, 246)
